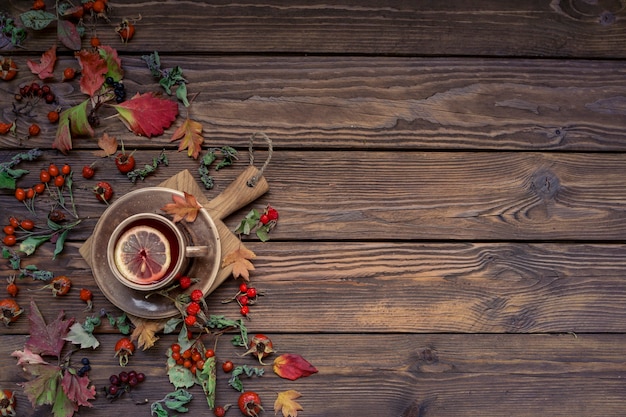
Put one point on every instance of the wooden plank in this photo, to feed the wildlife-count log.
(370, 103)
(486, 27)
(409, 375)
(403, 287)
(349, 195)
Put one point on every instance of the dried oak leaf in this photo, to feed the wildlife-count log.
(292, 366)
(285, 402)
(145, 333)
(44, 69)
(147, 115)
(107, 145)
(240, 260)
(46, 339)
(186, 207)
(190, 133)
(93, 68)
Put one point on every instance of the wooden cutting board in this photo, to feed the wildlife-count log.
(236, 196)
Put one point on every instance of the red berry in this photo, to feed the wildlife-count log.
(243, 287)
(264, 219)
(66, 169)
(34, 129)
(209, 353)
(88, 171)
(227, 366)
(272, 213)
(190, 320)
(251, 293)
(184, 282)
(243, 300)
(219, 411)
(193, 308)
(244, 310)
(196, 295)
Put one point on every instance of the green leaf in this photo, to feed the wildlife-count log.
(179, 376)
(58, 246)
(262, 234)
(208, 380)
(246, 370)
(171, 325)
(156, 409)
(37, 19)
(31, 243)
(181, 94)
(79, 336)
(7, 182)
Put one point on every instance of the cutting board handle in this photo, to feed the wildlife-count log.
(238, 194)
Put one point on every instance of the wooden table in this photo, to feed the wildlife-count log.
(450, 178)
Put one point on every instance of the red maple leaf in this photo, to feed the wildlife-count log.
(93, 68)
(77, 389)
(147, 115)
(46, 339)
(44, 68)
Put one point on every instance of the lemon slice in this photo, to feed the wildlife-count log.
(142, 254)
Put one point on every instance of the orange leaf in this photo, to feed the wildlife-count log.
(44, 68)
(183, 208)
(285, 402)
(191, 134)
(292, 366)
(93, 68)
(107, 144)
(240, 260)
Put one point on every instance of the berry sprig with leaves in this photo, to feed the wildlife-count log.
(261, 223)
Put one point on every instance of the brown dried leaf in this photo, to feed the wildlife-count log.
(183, 208)
(145, 333)
(240, 260)
(108, 146)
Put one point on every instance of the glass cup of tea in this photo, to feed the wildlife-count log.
(147, 251)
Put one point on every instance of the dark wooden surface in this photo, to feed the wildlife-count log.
(450, 180)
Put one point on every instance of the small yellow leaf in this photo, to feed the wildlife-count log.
(191, 134)
(186, 207)
(240, 260)
(285, 402)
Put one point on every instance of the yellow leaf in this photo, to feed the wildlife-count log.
(191, 134)
(186, 207)
(285, 402)
(145, 333)
(240, 260)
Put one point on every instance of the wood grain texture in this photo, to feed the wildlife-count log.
(559, 28)
(390, 287)
(371, 103)
(400, 375)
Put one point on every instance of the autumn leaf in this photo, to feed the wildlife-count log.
(292, 366)
(44, 69)
(186, 207)
(147, 115)
(42, 389)
(68, 34)
(46, 339)
(191, 134)
(77, 389)
(113, 62)
(285, 402)
(107, 145)
(145, 333)
(93, 68)
(240, 260)
(72, 122)
(26, 357)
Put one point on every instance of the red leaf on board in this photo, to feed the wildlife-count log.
(147, 115)
(46, 339)
(93, 68)
(44, 68)
(67, 32)
(191, 134)
(77, 389)
(292, 366)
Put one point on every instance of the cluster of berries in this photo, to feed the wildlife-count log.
(36, 90)
(118, 89)
(52, 175)
(123, 382)
(270, 215)
(85, 368)
(193, 309)
(191, 358)
(245, 297)
(15, 225)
